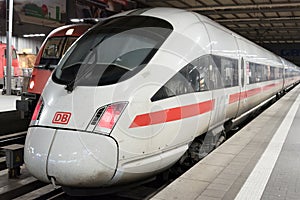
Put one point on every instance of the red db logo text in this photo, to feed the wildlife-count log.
(61, 118)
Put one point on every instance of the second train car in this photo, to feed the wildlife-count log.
(136, 93)
(50, 53)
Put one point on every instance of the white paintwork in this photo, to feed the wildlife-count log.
(38, 142)
(87, 160)
(78, 158)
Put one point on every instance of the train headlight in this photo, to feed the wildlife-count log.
(31, 84)
(106, 117)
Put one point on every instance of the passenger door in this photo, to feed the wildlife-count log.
(244, 66)
(1, 66)
(223, 44)
(216, 85)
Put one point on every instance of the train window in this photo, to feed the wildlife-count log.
(53, 47)
(286, 73)
(184, 82)
(279, 73)
(264, 73)
(272, 73)
(215, 77)
(208, 72)
(295, 72)
(260, 73)
(203, 64)
(228, 69)
(276, 73)
(255, 73)
(194, 77)
(121, 47)
(68, 43)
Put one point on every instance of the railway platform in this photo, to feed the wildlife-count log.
(10, 118)
(8, 102)
(261, 161)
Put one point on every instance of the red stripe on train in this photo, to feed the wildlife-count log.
(172, 114)
(242, 95)
(178, 113)
(267, 87)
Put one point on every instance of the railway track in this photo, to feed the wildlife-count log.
(14, 138)
(30, 188)
(11, 122)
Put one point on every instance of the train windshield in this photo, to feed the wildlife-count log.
(54, 49)
(112, 52)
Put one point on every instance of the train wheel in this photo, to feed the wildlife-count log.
(163, 176)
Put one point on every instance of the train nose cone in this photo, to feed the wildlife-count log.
(80, 159)
(37, 145)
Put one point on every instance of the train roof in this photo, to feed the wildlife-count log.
(79, 29)
(182, 19)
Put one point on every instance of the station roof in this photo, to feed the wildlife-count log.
(262, 21)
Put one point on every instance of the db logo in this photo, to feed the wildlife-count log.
(61, 118)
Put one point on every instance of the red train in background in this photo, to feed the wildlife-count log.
(50, 53)
(15, 63)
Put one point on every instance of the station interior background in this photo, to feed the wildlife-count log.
(273, 24)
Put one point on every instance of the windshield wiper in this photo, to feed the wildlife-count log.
(70, 86)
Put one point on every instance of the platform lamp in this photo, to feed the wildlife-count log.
(9, 21)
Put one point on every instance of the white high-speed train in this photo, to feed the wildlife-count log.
(135, 93)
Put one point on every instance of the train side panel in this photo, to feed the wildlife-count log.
(263, 75)
(224, 74)
(290, 74)
(159, 140)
